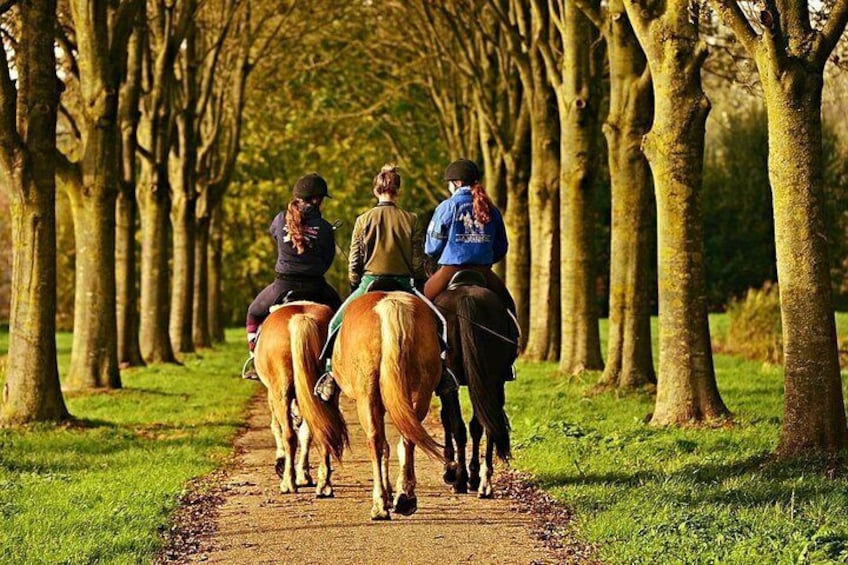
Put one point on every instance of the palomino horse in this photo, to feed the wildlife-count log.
(479, 355)
(287, 364)
(387, 359)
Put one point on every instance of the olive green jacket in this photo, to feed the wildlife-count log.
(386, 240)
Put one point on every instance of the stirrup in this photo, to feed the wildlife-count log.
(510, 375)
(325, 388)
(248, 371)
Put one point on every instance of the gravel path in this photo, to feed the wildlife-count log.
(256, 524)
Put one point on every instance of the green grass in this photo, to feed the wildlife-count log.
(102, 490)
(648, 495)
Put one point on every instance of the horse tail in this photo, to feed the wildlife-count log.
(485, 383)
(396, 320)
(324, 419)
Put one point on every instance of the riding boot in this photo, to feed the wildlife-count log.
(248, 370)
(448, 383)
(325, 387)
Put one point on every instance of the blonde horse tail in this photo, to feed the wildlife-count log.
(396, 320)
(324, 419)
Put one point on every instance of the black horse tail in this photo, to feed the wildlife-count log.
(485, 379)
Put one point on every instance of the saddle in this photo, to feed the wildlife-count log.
(294, 296)
(467, 278)
(385, 285)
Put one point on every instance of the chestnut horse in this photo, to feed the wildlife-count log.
(287, 363)
(479, 354)
(387, 359)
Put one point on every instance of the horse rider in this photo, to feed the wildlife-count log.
(305, 251)
(467, 233)
(387, 243)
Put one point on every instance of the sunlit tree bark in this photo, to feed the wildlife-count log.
(27, 165)
(790, 57)
(669, 36)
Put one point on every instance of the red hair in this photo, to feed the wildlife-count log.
(294, 225)
(481, 203)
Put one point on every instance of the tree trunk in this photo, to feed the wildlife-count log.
(814, 411)
(201, 335)
(516, 218)
(154, 203)
(493, 177)
(629, 356)
(216, 265)
(182, 282)
(543, 340)
(686, 387)
(126, 216)
(579, 100)
(129, 350)
(94, 356)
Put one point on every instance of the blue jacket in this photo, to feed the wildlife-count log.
(456, 238)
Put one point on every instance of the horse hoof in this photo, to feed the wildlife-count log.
(279, 466)
(287, 487)
(450, 473)
(324, 492)
(406, 505)
(460, 487)
(485, 492)
(380, 514)
(474, 483)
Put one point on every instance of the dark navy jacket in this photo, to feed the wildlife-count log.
(456, 238)
(320, 245)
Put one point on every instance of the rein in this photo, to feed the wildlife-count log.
(478, 325)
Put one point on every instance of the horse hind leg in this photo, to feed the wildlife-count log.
(384, 472)
(474, 466)
(372, 423)
(289, 440)
(277, 430)
(304, 439)
(406, 502)
(456, 473)
(324, 488)
(485, 489)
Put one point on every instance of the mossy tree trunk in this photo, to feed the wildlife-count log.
(93, 189)
(791, 57)
(27, 156)
(686, 387)
(575, 76)
(165, 31)
(629, 362)
(215, 270)
(126, 215)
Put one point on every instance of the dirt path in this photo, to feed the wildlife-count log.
(256, 524)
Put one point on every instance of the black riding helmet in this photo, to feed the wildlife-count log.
(463, 170)
(310, 186)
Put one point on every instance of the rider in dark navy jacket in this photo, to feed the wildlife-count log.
(305, 251)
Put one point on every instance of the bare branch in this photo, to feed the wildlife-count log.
(593, 14)
(829, 36)
(733, 17)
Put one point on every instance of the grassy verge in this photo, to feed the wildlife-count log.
(647, 495)
(101, 489)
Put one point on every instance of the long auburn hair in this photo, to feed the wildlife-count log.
(481, 203)
(294, 222)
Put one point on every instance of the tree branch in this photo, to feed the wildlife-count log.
(593, 14)
(829, 36)
(6, 6)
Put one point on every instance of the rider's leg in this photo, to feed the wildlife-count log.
(256, 314)
(325, 388)
(448, 382)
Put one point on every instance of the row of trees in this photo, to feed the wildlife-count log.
(526, 87)
(520, 83)
(136, 108)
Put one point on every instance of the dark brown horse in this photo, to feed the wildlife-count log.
(287, 364)
(387, 359)
(480, 354)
